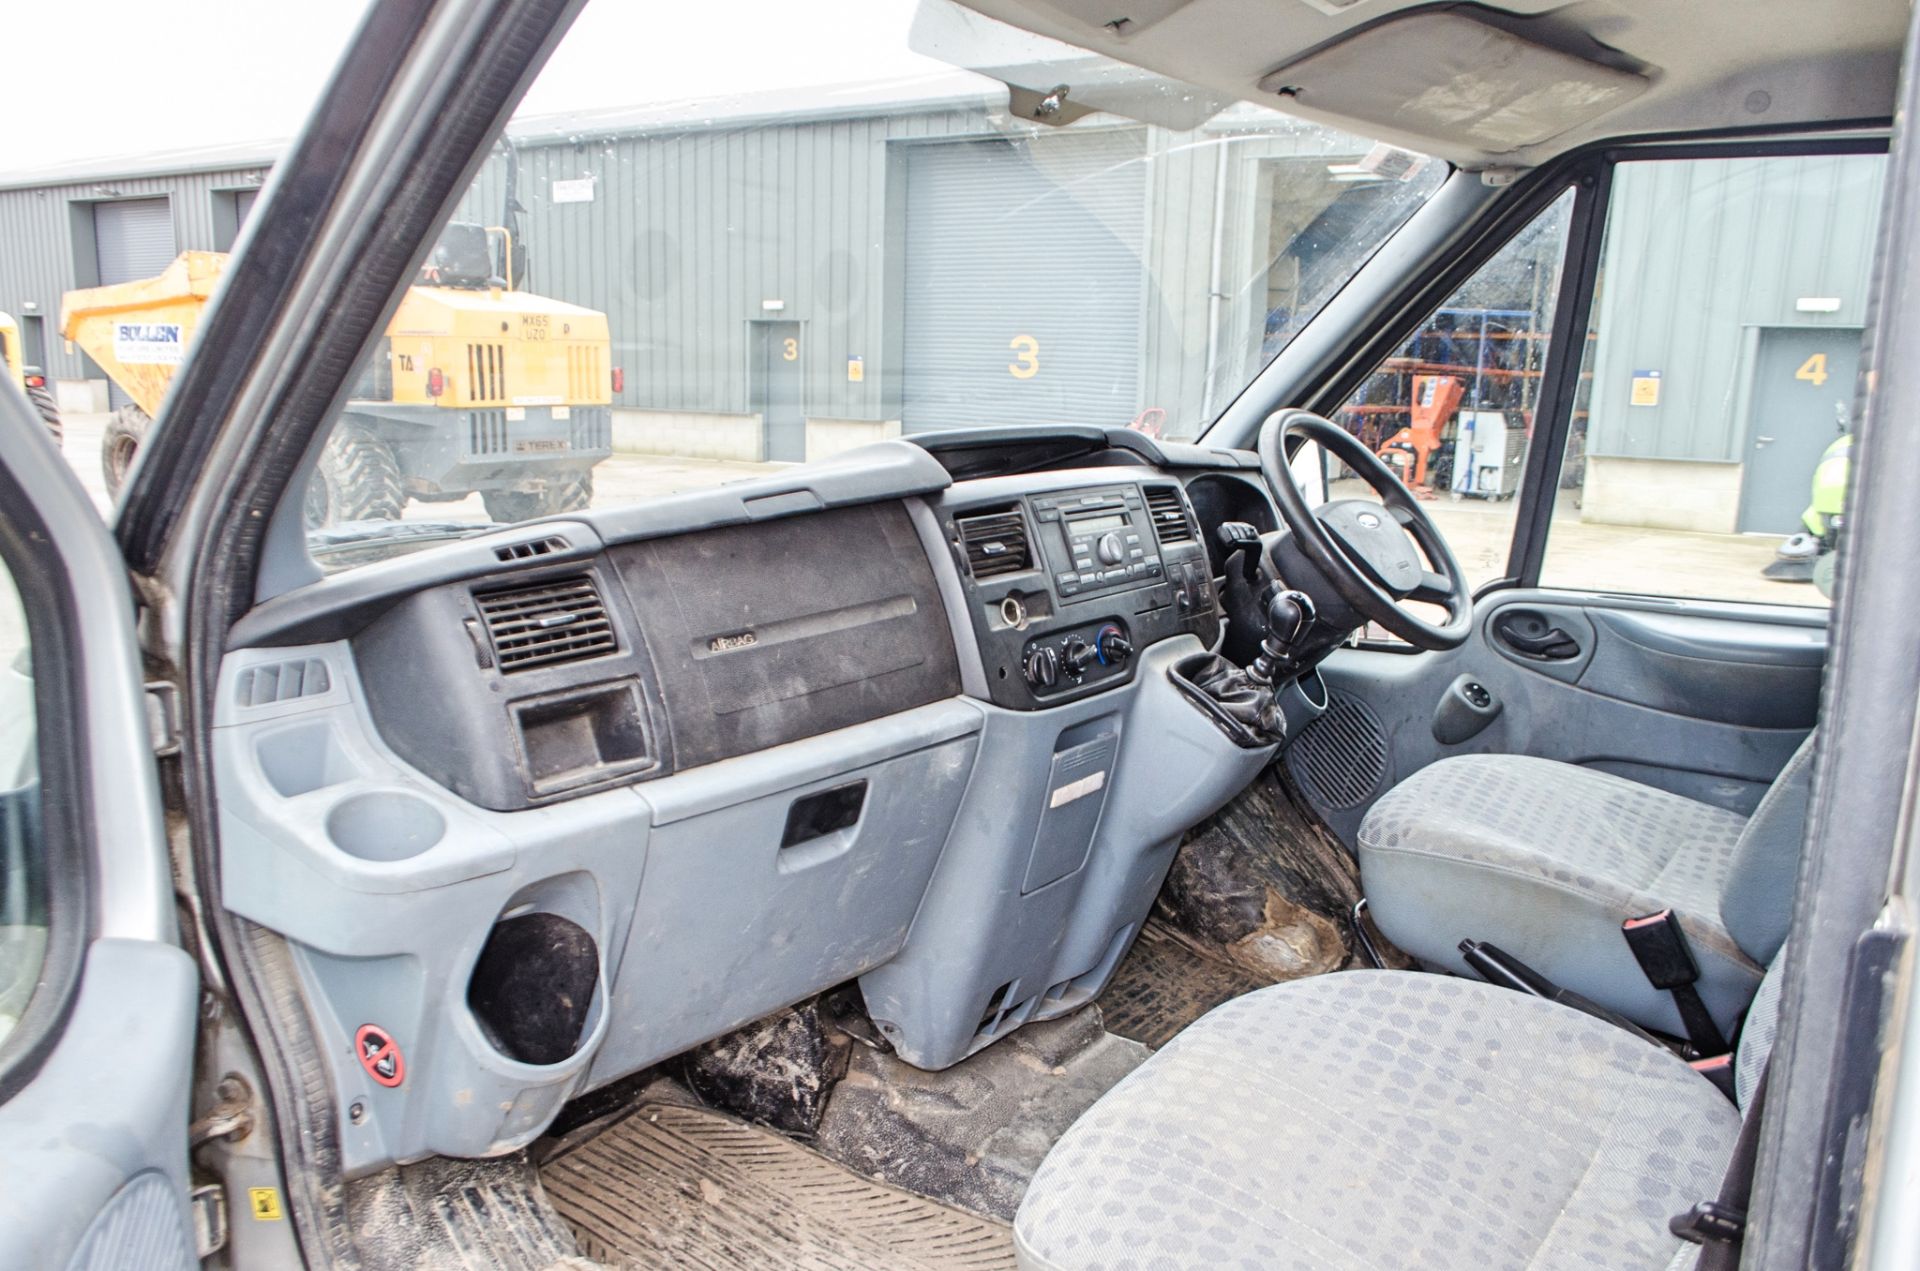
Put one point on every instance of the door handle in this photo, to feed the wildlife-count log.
(1762, 441)
(1531, 635)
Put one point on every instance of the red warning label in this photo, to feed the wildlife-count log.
(380, 1055)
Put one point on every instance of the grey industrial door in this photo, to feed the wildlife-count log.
(1024, 281)
(1802, 398)
(131, 239)
(775, 387)
(33, 340)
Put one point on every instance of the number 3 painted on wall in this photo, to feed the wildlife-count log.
(1027, 349)
(790, 350)
(1813, 370)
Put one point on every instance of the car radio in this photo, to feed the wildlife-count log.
(1097, 540)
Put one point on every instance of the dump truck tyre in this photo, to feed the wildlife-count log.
(126, 433)
(573, 494)
(564, 494)
(510, 507)
(49, 413)
(361, 476)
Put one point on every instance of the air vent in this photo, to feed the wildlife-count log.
(1170, 523)
(527, 551)
(560, 621)
(995, 543)
(281, 682)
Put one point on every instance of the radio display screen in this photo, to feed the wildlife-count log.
(1097, 524)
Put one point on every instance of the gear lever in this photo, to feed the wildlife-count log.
(1289, 615)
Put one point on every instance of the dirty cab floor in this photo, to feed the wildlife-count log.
(677, 1186)
(1164, 984)
(798, 1141)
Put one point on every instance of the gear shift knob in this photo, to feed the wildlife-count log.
(1289, 615)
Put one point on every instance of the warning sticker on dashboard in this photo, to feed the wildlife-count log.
(1063, 795)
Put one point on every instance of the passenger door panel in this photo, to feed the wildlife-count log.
(1706, 700)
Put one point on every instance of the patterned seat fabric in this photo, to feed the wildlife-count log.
(1384, 1119)
(1546, 860)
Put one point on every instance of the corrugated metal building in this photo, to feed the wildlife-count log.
(756, 260)
(756, 268)
(1732, 298)
(93, 224)
(783, 280)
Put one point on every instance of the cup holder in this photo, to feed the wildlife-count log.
(385, 825)
(1313, 690)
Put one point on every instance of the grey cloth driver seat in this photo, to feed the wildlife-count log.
(1546, 860)
(1392, 1119)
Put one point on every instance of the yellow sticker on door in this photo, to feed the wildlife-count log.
(264, 1204)
(1646, 389)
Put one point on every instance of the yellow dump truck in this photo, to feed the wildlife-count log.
(30, 380)
(475, 386)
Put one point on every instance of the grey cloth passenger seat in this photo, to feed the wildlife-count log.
(1391, 1119)
(1547, 859)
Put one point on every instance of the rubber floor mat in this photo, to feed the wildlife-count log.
(674, 1186)
(1163, 985)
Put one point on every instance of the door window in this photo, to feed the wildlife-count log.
(23, 897)
(1708, 452)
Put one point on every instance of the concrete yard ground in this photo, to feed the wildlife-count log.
(1580, 554)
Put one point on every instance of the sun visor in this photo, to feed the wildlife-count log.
(1453, 78)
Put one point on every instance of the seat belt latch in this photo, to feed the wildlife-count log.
(1718, 1070)
(1710, 1223)
(1660, 947)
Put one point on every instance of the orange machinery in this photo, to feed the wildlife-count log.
(1435, 399)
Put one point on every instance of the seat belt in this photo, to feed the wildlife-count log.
(1719, 1226)
(1660, 947)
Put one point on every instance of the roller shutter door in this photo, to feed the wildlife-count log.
(131, 239)
(1024, 281)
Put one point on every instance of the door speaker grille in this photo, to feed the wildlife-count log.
(1340, 759)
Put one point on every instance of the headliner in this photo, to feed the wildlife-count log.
(1707, 65)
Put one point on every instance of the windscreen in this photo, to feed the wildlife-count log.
(758, 234)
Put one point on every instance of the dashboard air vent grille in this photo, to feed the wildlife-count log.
(563, 620)
(538, 547)
(995, 543)
(1170, 523)
(281, 682)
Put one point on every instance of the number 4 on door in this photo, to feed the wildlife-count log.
(1813, 370)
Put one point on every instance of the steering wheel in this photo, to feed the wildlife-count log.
(1368, 558)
